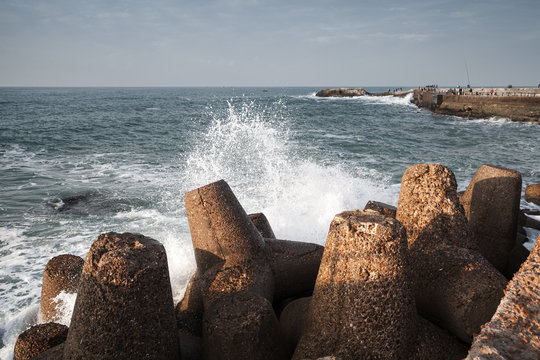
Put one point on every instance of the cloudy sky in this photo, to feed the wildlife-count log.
(269, 43)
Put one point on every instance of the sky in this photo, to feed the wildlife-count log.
(269, 43)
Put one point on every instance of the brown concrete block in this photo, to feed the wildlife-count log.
(435, 343)
(457, 288)
(190, 309)
(514, 329)
(190, 346)
(517, 256)
(381, 208)
(220, 228)
(432, 342)
(491, 204)
(61, 273)
(261, 223)
(430, 210)
(295, 265)
(532, 194)
(292, 322)
(38, 339)
(54, 353)
(363, 302)
(124, 305)
(241, 326)
(235, 278)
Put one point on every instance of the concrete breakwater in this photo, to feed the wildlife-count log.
(516, 104)
(406, 283)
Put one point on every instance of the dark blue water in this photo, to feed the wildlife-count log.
(77, 162)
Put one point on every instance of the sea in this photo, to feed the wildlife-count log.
(79, 162)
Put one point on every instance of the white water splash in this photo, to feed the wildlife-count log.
(65, 302)
(251, 150)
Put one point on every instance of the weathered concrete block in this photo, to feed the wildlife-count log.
(363, 302)
(433, 342)
(292, 322)
(532, 194)
(61, 273)
(517, 256)
(429, 208)
(241, 326)
(261, 223)
(190, 346)
(381, 208)
(295, 265)
(513, 332)
(124, 305)
(456, 288)
(38, 339)
(54, 353)
(190, 309)
(235, 278)
(491, 204)
(220, 228)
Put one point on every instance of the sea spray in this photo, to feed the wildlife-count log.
(250, 147)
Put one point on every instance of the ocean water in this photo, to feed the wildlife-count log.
(78, 162)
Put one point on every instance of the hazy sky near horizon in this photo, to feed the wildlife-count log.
(269, 43)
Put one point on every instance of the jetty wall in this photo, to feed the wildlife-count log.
(516, 108)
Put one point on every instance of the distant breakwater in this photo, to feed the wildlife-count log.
(516, 104)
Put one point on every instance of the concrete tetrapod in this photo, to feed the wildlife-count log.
(241, 326)
(514, 330)
(295, 265)
(124, 307)
(491, 204)
(432, 342)
(382, 208)
(61, 273)
(261, 223)
(429, 208)
(234, 276)
(532, 194)
(363, 303)
(455, 286)
(220, 228)
(292, 322)
(38, 339)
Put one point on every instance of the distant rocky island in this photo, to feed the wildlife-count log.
(342, 92)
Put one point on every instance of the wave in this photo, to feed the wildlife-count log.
(247, 147)
(368, 99)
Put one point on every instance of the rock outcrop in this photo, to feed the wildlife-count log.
(341, 92)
